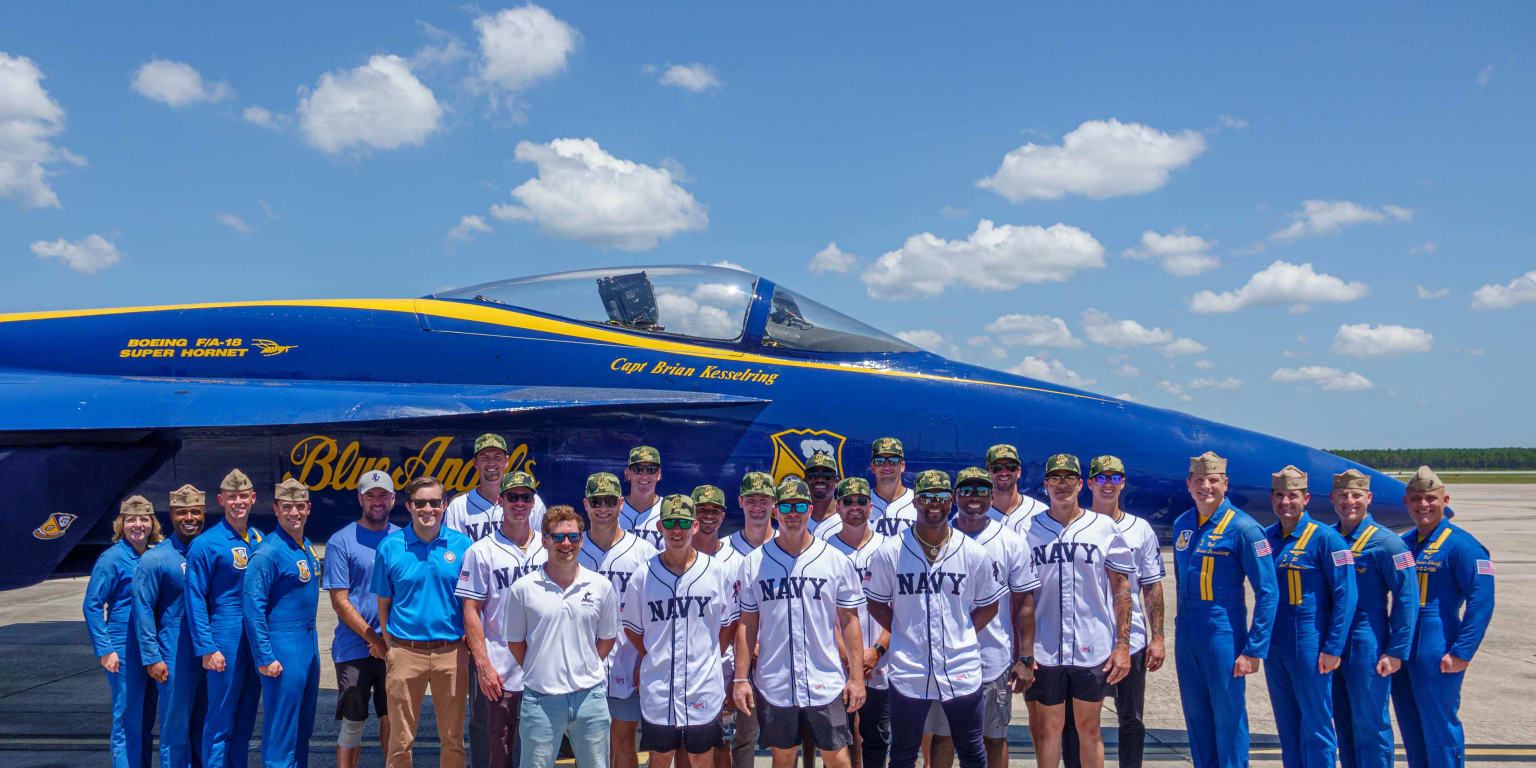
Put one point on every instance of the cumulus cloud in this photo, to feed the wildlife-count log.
(730, 265)
(29, 120)
(88, 256)
(1033, 331)
(264, 118)
(467, 228)
(1184, 346)
(1101, 328)
(520, 46)
(379, 105)
(833, 260)
(1048, 369)
(1224, 385)
(993, 258)
(583, 193)
(1174, 389)
(1127, 370)
(1178, 252)
(1327, 379)
(1374, 342)
(1425, 293)
(1204, 365)
(267, 209)
(1233, 121)
(933, 341)
(445, 49)
(1280, 283)
(1520, 290)
(1126, 396)
(1326, 217)
(176, 84)
(1098, 159)
(233, 222)
(694, 77)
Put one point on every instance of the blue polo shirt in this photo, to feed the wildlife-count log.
(419, 578)
(349, 559)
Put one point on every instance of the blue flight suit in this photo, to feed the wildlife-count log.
(1315, 570)
(1383, 576)
(281, 594)
(108, 610)
(1453, 570)
(216, 564)
(159, 617)
(1210, 561)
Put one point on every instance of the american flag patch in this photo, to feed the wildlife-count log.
(1402, 561)
(1485, 567)
(1261, 548)
(1343, 557)
(464, 576)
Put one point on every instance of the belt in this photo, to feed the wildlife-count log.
(422, 645)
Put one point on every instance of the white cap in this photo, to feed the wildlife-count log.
(375, 479)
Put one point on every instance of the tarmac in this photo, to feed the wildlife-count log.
(54, 709)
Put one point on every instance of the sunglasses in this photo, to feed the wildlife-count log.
(424, 503)
(794, 507)
(1062, 479)
(644, 469)
(820, 473)
(560, 538)
(1111, 479)
(936, 497)
(604, 501)
(516, 497)
(973, 490)
(885, 461)
(855, 501)
(1004, 466)
(677, 524)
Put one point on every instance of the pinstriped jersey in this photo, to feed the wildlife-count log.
(642, 523)
(860, 557)
(796, 598)
(679, 618)
(1018, 520)
(1148, 557)
(475, 516)
(491, 565)
(1012, 567)
(890, 518)
(618, 564)
(1074, 610)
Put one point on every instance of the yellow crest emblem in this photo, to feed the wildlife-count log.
(54, 527)
(792, 448)
(240, 557)
(303, 570)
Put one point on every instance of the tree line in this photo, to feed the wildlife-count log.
(1442, 458)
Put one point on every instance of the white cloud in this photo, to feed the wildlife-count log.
(267, 209)
(1048, 369)
(730, 265)
(1325, 217)
(1180, 253)
(1280, 283)
(1126, 396)
(1520, 290)
(175, 84)
(467, 228)
(694, 77)
(933, 341)
(233, 222)
(1233, 121)
(1100, 328)
(445, 49)
(1224, 385)
(1374, 342)
(1485, 76)
(583, 193)
(993, 258)
(520, 46)
(1098, 159)
(379, 105)
(1328, 379)
(1033, 331)
(1184, 346)
(29, 120)
(91, 255)
(1174, 389)
(953, 213)
(833, 260)
(1204, 365)
(264, 118)
(1428, 247)
(1127, 370)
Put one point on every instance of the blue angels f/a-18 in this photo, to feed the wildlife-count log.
(723, 371)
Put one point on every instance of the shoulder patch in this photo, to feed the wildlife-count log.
(1402, 561)
(1485, 567)
(1261, 548)
(1343, 557)
(1183, 542)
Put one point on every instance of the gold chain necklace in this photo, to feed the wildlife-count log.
(933, 550)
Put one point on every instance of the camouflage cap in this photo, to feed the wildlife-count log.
(1425, 480)
(821, 460)
(603, 484)
(188, 496)
(756, 484)
(1063, 462)
(708, 494)
(1002, 452)
(852, 486)
(1207, 463)
(886, 445)
(932, 480)
(644, 454)
(1106, 465)
(490, 440)
(1352, 479)
(236, 481)
(1288, 479)
(136, 505)
(291, 490)
(792, 488)
(678, 507)
(517, 480)
(973, 476)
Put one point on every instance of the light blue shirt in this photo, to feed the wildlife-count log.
(349, 559)
(419, 578)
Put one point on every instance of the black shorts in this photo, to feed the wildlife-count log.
(696, 739)
(355, 680)
(1054, 685)
(781, 727)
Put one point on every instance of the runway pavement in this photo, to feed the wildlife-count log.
(54, 710)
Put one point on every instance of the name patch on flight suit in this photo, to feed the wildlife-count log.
(238, 553)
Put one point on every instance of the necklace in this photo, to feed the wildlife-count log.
(933, 550)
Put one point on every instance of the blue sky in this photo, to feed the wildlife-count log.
(1313, 223)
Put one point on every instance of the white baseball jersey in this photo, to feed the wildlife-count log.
(490, 567)
(829, 528)
(1074, 610)
(1018, 522)
(732, 560)
(860, 557)
(618, 564)
(796, 598)
(739, 542)
(1148, 558)
(642, 524)
(561, 627)
(889, 518)
(474, 516)
(1012, 567)
(934, 650)
(680, 619)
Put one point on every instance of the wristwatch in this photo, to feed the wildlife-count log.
(879, 650)
(1028, 661)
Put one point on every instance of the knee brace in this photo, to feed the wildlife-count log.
(351, 734)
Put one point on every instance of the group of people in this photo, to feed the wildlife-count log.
(868, 621)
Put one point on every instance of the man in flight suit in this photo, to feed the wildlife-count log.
(1311, 623)
(1216, 546)
(1454, 570)
(165, 635)
(1377, 643)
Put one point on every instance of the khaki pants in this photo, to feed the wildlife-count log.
(410, 668)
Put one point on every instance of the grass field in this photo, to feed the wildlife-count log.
(1451, 477)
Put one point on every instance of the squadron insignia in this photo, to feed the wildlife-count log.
(792, 448)
(240, 557)
(1183, 542)
(54, 527)
(303, 570)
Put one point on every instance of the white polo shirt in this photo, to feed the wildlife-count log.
(491, 566)
(1074, 610)
(1018, 522)
(796, 598)
(561, 628)
(1147, 556)
(860, 557)
(642, 523)
(1011, 566)
(680, 619)
(618, 564)
(475, 516)
(890, 518)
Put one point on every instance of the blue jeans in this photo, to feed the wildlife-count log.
(543, 718)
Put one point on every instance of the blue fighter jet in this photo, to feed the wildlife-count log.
(723, 371)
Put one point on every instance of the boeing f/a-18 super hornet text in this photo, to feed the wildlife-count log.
(723, 371)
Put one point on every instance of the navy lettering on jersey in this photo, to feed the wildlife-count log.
(791, 587)
(890, 526)
(928, 583)
(622, 576)
(1063, 552)
(505, 576)
(478, 531)
(678, 608)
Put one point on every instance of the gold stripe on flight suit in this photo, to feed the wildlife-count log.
(1207, 567)
(1365, 536)
(1434, 546)
(1306, 535)
(1221, 527)
(1293, 579)
(1423, 587)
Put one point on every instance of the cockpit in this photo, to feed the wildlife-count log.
(715, 304)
